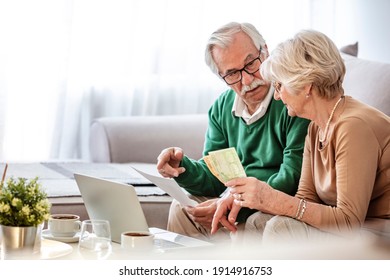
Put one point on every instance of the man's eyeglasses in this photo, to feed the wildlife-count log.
(277, 86)
(251, 67)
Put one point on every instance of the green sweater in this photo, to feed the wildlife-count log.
(270, 149)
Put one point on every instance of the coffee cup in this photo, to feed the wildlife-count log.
(137, 240)
(64, 225)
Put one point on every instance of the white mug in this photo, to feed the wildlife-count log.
(137, 240)
(64, 225)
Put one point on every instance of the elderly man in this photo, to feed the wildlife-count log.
(268, 142)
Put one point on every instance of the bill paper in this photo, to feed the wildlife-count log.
(225, 164)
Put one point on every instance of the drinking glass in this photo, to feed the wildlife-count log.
(95, 239)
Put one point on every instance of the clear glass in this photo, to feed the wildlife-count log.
(95, 239)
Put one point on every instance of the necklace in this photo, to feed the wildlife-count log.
(330, 118)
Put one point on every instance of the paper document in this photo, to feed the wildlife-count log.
(170, 187)
(225, 164)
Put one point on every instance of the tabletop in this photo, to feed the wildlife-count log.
(166, 245)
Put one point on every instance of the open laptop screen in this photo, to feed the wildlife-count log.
(113, 201)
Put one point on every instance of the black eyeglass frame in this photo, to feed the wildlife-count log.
(243, 69)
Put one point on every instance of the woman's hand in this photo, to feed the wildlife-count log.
(244, 192)
(224, 204)
(251, 193)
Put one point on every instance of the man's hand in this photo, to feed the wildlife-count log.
(203, 213)
(168, 162)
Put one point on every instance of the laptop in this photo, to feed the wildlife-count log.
(118, 203)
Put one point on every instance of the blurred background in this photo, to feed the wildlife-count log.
(65, 62)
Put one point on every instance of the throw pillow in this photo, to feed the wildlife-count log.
(350, 49)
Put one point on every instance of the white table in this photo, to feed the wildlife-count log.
(164, 249)
(367, 247)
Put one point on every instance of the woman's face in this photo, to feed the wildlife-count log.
(295, 101)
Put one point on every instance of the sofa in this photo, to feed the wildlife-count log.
(141, 139)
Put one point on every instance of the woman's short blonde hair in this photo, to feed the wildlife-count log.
(310, 57)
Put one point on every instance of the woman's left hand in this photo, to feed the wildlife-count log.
(244, 192)
(221, 216)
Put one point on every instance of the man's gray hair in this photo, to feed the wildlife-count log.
(223, 37)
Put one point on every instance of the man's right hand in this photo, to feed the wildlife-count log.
(168, 162)
(203, 213)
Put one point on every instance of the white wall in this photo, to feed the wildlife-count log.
(348, 21)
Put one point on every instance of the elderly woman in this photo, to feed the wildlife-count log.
(346, 163)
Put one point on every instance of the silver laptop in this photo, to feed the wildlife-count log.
(118, 203)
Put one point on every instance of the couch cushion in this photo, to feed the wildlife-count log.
(142, 138)
(368, 81)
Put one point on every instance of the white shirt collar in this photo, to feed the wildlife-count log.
(240, 109)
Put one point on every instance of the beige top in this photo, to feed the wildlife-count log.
(349, 175)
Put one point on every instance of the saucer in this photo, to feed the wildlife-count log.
(47, 235)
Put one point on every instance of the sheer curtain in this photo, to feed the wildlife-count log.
(64, 63)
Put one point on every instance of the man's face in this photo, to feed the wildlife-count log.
(252, 88)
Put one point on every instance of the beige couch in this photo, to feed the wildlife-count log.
(140, 139)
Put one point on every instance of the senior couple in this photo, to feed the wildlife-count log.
(317, 161)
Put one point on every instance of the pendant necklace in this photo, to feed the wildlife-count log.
(330, 118)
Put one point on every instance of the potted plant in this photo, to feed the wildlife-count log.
(24, 208)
